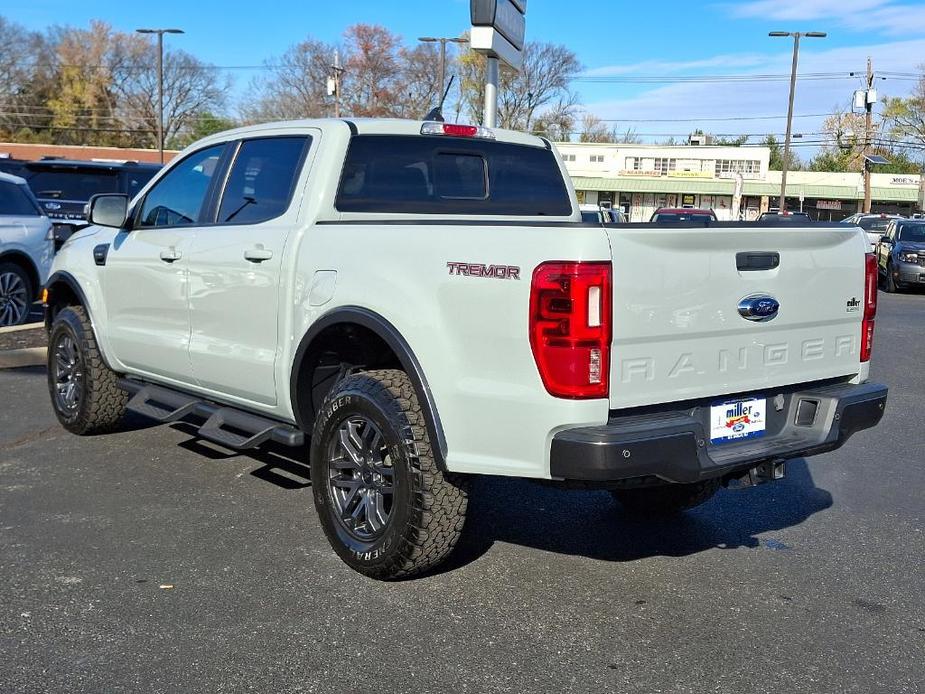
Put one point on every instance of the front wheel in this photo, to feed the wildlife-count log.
(84, 391)
(890, 285)
(385, 507)
(667, 499)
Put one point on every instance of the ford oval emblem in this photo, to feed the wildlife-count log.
(759, 307)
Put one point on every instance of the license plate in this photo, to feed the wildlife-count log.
(740, 419)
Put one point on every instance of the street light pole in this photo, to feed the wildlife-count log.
(782, 207)
(442, 40)
(160, 82)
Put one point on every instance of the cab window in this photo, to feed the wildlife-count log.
(178, 198)
(262, 179)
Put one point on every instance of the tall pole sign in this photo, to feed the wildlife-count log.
(498, 29)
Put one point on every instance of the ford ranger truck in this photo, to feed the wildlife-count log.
(421, 303)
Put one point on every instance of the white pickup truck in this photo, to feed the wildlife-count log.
(422, 303)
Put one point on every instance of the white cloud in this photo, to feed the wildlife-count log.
(871, 16)
(748, 99)
(659, 67)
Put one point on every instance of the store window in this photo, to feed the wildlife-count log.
(597, 158)
(634, 163)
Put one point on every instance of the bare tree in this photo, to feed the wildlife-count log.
(905, 118)
(593, 129)
(297, 87)
(372, 84)
(545, 78)
(191, 88)
(26, 81)
(419, 81)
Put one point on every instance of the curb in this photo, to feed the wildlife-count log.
(18, 358)
(17, 328)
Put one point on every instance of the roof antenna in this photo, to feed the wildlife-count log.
(436, 113)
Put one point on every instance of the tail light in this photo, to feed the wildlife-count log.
(870, 306)
(570, 327)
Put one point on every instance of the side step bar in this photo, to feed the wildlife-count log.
(224, 425)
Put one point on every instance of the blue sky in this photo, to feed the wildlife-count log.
(673, 39)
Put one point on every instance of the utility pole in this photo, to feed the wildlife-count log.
(442, 40)
(868, 123)
(160, 81)
(793, 85)
(334, 83)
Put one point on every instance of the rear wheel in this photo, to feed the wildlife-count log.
(84, 391)
(667, 499)
(385, 507)
(16, 295)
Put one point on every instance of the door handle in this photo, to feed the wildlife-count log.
(171, 254)
(258, 254)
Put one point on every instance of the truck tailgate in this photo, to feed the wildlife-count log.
(677, 329)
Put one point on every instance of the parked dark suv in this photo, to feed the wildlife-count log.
(901, 254)
(64, 186)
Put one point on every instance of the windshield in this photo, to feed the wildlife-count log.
(590, 217)
(914, 233)
(73, 184)
(874, 223)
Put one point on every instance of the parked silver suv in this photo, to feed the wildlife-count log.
(26, 249)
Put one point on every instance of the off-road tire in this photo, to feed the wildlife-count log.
(665, 500)
(14, 269)
(101, 403)
(428, 507)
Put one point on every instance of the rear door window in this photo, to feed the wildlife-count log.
(262, 179)
(15, 202)
(442, 175)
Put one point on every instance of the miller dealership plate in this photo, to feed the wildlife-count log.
(741, 419)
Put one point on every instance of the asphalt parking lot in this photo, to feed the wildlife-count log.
(145, 561)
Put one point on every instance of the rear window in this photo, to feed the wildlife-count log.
(674, 217)
(14, 201)
(441, 175)
(74, 184)
(874, 224)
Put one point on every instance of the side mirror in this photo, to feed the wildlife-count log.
(108, 210)
(885, 239)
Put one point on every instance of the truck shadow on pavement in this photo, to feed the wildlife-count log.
(584, 523)
(592, 524)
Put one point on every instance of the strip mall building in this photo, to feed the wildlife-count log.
(641, 178)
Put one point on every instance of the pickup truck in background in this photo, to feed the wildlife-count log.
(422, 303)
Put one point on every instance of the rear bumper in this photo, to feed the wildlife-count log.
(674, 445)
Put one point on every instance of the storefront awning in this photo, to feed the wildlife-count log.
(628, 184)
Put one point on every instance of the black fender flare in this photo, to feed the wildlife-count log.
(393, 338)
(67, 279)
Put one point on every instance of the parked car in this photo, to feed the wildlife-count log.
(901, 254)
(262, 286)
(667, 215)
(64, 186)
(26, 250)
(786, 216)
(592, 214)
(874, 225)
